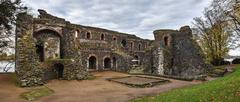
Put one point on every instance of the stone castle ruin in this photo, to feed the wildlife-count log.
(48, 47)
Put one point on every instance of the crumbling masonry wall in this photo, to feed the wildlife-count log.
(182, 56)
(78, 49)
(30, 69)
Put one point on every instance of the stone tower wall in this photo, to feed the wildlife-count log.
(182, 56)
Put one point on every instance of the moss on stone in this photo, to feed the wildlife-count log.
(29, 71)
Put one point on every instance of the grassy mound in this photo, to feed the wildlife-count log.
(37, 93)
(226, 89)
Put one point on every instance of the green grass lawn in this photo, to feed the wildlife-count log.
(37, 93)
(225, 89)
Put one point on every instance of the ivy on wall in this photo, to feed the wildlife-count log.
(30, 72)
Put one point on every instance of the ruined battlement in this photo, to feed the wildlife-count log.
(184, 31)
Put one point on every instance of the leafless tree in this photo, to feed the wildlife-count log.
(215, 36)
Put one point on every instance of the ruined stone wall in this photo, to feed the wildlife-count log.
(28, 69)
(181, 55)
(124, 62)
(165, 48)
(171, 53)
(108, 45)
(188, 57)
(100, 55)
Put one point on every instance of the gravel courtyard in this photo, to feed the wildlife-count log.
(97, 90)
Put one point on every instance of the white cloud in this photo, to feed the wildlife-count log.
(234, 52)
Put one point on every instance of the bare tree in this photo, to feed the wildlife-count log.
(8, 11)
(230, 9)
(214, 35)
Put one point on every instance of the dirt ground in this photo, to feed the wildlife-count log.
(97, 90)
(9, 92)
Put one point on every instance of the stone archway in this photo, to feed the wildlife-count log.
(107, 63)
(48, 44)
(92, 62)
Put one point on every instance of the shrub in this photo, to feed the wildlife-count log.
(236, 61)
(219, 62)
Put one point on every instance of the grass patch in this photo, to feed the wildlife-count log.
(91, 77)
(225, 89)
(37, 93)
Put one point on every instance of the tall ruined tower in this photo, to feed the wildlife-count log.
(178, 53)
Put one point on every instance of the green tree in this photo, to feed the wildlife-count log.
(8, 11)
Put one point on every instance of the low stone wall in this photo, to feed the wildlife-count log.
(72, 69)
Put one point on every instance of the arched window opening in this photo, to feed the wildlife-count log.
(124, 43)
(102, 36)
(139, 46)
(76, 33)
(114, 38)
(92, 62)
(88, 36)
(166, 41)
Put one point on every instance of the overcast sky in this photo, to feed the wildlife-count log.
(140, 17)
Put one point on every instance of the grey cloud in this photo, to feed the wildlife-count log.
(131, 16)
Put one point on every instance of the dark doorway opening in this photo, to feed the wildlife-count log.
(92, 62)
(107, 63)
(40, 52)
(59, 68)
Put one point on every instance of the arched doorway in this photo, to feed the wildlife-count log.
(59, 68)
(92, 62)
(107, 63)
(48, 44)
(114, 59)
